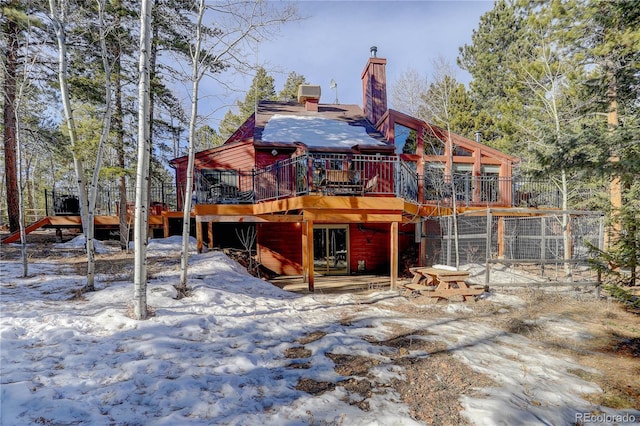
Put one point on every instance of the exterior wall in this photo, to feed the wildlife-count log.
(369, 243)
(265, 158)
(279, 247)
(241, 156)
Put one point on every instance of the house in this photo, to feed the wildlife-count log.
(340, 189)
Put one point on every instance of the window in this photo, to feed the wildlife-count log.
(461, 152)
(405, 139)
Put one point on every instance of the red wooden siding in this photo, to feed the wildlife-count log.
(266, 158)
(374, 89)
(280, 247)
(235, 157)
(369, 242)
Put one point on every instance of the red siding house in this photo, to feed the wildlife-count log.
(340, 189)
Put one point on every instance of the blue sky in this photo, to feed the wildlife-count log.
(333, 42)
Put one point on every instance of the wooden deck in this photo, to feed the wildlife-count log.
(335, 284)
(100, 221)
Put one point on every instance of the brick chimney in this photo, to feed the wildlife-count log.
(374, 87)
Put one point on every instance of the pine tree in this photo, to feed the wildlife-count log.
(290, 90)
(262, 88)
(496, 44)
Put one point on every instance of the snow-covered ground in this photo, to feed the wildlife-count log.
(218, 356)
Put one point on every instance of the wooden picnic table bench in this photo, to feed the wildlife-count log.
(442, 283)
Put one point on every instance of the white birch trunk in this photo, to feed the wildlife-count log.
(106, 125)
(566, 230)
(58, 18)
(21, 221)
(195, 81)
(142, 171)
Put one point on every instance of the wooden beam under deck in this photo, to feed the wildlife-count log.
(224, 210)
(306, 202)
(335, 216)
(251, 219)
(322, 209)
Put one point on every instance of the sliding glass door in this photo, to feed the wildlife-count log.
(331, 249)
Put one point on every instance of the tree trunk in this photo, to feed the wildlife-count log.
(106, 126)
(58, 20)
(142, 171)
(21, 215)
(12, 31)
(195, 81)
(118, 124)
(120, 153)
(566, 230)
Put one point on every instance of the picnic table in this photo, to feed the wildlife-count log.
(441, 283)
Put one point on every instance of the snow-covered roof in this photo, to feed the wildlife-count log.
(316, 131)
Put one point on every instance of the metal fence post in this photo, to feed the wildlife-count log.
(487, 271)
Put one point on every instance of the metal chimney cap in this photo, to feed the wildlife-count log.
(374, 51)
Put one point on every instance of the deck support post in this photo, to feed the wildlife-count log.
(210, 234)
(394, 254)
(165, 224)
(199, 234)
(307, 253)
(423, 242)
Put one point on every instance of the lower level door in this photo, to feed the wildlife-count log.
(331, 249)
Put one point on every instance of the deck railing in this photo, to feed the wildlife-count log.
(381, 175)
(489, 190)
(66, 202)
(328, 174)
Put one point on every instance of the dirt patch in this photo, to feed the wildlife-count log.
(358, 392)
(432, 375)
(297, 352)
(352, 365)
(312, 337)
(314, 387)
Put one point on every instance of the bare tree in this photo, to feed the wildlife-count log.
(545, 74)
(408, 90)
(437, 106)
(58, 15)
(140, 311)
(21, 85)
(244, 22)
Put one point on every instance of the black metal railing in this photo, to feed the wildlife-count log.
(329, 174)
(66, 202)
(490, 190)
(383, 175)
